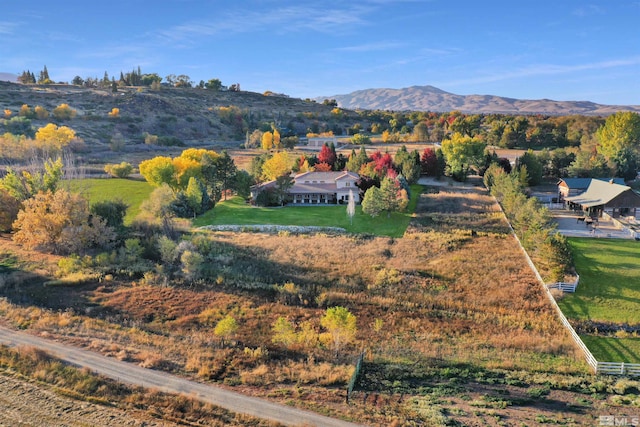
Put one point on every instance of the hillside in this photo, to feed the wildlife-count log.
(429, 98)
(193, 115)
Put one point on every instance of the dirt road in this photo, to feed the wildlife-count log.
(132, 374)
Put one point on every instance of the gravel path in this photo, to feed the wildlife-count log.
(133, 374)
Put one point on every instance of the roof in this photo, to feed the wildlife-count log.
(325, 177)
(583, 183)
(599, 193)
(347, 174)
(313, 188)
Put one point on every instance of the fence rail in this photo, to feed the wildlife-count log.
(608, 368)
(616, 368)
(565, 286)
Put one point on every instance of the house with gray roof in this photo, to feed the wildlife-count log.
(318, 188)
(606, 196)
(568, 187)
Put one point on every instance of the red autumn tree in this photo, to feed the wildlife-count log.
(327, 155)
(429, 162)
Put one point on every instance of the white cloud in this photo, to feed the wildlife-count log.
(282, 20)
(7, 27)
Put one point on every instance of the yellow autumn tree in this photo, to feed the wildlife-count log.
(341, 327)
(276, 139)
(60, 222)
(64, 112)
(41, 112)
(226, 328)
(26, 111)
(57, 136)
(176, 172)
(115, 112)
(197, 154)
(278, 165)
(159, 170)
(7, 113)
(267, 141)
(186, 168)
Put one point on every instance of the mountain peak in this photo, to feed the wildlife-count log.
(431, 98)
(8, 77)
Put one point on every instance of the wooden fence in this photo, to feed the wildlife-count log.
(608, 368)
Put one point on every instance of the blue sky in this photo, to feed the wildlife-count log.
(528, 49)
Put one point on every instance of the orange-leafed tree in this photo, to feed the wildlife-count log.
(60, 222)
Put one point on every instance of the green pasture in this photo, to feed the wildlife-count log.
(609, 288)
(235, 211)
(613, 349)
(130, 191)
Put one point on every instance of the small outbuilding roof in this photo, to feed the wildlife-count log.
(598, 193)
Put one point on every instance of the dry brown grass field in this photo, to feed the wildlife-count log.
(455, 327)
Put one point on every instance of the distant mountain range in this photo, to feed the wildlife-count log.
(429, 98)
(8, 77)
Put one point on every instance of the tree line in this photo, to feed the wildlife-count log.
(133, 78)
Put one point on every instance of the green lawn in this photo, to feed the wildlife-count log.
(236, 211)
(611, 349)
(609, 288)
(129, 191)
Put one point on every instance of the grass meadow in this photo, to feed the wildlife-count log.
(132, 192)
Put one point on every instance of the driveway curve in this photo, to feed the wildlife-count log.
(135, 375)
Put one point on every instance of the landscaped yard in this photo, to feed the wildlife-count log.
(608, 295)
(609, 289)
(130, 191)
(235, 211)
